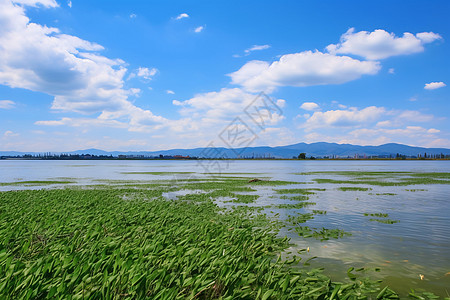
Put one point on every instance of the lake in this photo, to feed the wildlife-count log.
(411, 253)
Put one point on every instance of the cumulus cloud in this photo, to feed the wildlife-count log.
(370, 126)
(146, 73)
(41, 58)
(381, 44)
(170, 92)
(132, 16)
(309, 106)
(199, 29)
(7, 104)
(217, 106)
(182, 16)
(69, 4)
(434, 85)
(306, 68)
(344, 118)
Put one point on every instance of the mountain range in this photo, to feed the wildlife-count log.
(320, 149)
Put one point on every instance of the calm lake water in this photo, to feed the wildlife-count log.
(418, 245)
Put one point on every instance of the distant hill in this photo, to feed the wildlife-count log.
(314, 149)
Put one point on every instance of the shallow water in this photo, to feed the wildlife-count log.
(418, 245)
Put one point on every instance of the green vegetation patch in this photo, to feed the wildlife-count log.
(299, 191)
(352, 188)
(387, 178)
(380, 218)
(36, 182)
(119, 244)
(355, 173)
(297, 205)
(379, 215)
(322, 234)
(385, 221)
(159, 173)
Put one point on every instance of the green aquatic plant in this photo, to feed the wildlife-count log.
(132, 243)
(309, 191)
(159, 173)
(297, 205)
(385, 221)
(379, 215)
(352, 188)
(322, 234)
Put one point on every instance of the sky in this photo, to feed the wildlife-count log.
(152, 75)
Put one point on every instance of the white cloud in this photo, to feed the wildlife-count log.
(69, 4)
(170, 92)
(412, 116)
(45, 3)
(182, 16)
(409, 135)
(309, 106)
(344, 118)
(199, 29)
(146, 73)
(9, 133)
(381, 44)
(132, 16)
(434, 85)
(7, 104)
(43, 59)
(391, 71)
(256, 48)
(302, 69)
(213, 110)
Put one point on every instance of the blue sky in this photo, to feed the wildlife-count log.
(149, 75)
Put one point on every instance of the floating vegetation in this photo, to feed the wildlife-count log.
(115, 243)
(416, 190)
(379, 215)
(295, 198)
(383, 194)
(384, 178)
(322, 234)
(159, 173)
(352, 188)
(299, 191)
(385, 221)
(299, 218)
(399, 182)
(381, 218)
(297, 205)
(36, 182)
(357, 173)
(319, 212)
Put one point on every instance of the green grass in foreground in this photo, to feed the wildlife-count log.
(118, 244)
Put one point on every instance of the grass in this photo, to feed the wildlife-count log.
(93, 244)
